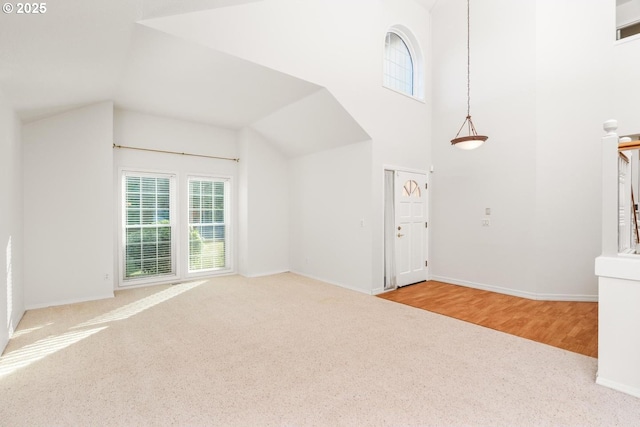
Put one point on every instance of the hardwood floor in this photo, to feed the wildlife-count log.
(571, 326)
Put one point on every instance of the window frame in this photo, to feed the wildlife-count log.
(180, 223)
(417, 61)
(123, 282)
(228, 223)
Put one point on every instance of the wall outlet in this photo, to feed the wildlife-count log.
(486, 222)
(106, 276)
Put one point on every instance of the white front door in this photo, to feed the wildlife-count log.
(410, 227)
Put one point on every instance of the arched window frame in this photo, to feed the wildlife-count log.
(417, 60)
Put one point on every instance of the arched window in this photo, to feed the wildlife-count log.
(411, 189)
(402, 63)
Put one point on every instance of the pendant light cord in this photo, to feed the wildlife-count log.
(470, 128)
(468, 62)
(472, 138)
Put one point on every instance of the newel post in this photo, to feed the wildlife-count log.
(610, 189)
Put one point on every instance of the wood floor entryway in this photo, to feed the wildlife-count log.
(571, 326)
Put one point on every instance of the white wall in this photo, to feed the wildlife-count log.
(339, 46)
(159, 133)
(11, 223)
(540, 89)
(330, 216)
(68, 206)
(500, 175)
(573, 97)
(263, 207)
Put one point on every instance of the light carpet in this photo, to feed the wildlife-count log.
(286, 350)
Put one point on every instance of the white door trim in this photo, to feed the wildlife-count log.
(396, 168)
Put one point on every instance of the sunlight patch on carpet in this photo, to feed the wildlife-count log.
(31, 353)
(139, 306)
(23, 332)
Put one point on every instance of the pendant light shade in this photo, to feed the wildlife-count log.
(471, 140)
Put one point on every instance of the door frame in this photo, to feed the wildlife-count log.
(396, 168)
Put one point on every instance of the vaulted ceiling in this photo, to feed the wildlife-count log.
(82, 52)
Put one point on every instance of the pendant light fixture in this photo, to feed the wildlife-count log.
(472, 139)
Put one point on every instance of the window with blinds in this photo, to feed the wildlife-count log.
(148, 226)
(207, 224)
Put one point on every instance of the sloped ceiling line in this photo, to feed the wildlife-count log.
(306, 123)
(104, 51)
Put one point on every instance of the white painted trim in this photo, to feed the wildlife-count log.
(180, 194)
(207, 274)
(633, 38)
(417, 58)
(619, 267)
(177, 280)
(15, 321)
(378, 291)
(396, 168)
(633, 391)
(70, 301)
(120, 282)
(309, 276)
(230, 234)
(516, 292)
(154, 281)
(270, 273)
(202, 277)
(406, 95)
(567, 297)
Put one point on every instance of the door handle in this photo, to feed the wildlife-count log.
(400, 234)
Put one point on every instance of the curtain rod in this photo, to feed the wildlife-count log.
(175, 152)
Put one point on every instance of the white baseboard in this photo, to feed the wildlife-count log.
(516, 292)
(351, 288)
(566, 297)
(378, 291)
(633, 391)
(15, 321)
(271, 273)
(69, 301)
